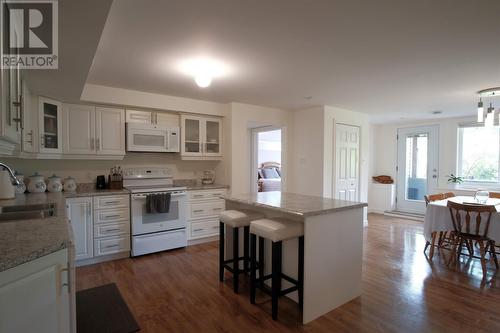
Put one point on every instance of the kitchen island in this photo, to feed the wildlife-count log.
(333, 245)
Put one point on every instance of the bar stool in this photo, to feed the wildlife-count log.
(235, 219)
(277, 230)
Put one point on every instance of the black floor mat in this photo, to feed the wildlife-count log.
(102, 309)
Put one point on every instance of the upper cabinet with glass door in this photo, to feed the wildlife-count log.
(50, 125)
(201, 137)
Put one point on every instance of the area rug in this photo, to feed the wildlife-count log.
(103, 310)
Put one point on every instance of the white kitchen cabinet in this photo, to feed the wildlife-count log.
(110, 131)
(35, 296)
(101, 227)
(201, 137)
(111, 224)
(79, 129)
(50, 125)
(90, 130)
(205, 207)
(79, 212)
(152, 117)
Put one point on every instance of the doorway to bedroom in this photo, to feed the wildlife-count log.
(267, 168)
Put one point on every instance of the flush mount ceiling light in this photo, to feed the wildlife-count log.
(204, 70)
(490, 117)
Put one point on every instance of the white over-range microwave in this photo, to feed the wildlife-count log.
(153, 138)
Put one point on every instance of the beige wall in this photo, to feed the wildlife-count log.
(85, 171)
(385, 147)
(139, 99)
(306, 160)
(314, 149)
(242, 118)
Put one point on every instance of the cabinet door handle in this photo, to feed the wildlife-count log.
(197, 230)
(198, 210)
(110, 230)
(42, 141)
(98, 144)
(111, 202)
(198, 196)
(68, 284)
(111, 216)
(216, 209)
(110, 246)
(92, 143)
(30, 141)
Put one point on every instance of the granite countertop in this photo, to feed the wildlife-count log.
(25, 240)
(295, 204)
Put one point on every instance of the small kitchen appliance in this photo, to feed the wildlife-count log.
(100, 183)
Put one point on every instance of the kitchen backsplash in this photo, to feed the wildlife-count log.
(85, 171)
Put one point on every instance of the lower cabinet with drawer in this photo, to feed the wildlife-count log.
(101, 227)
(204, 209)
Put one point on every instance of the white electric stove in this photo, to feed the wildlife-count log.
(154, 232)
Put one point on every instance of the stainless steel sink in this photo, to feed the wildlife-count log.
(24, 212)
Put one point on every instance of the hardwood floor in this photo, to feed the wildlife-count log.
(179, 291)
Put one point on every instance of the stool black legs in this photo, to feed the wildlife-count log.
(253, 267)
(300, 279)
(236, 263)
(221, 251)
(232, 265)
(276, 277)
(261, 261)
(276, 273)
(246, 238)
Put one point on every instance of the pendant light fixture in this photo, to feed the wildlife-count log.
(490, 118)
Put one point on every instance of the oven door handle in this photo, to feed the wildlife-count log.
(142, 196)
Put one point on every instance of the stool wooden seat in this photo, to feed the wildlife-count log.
(235, 219)
(276, 230)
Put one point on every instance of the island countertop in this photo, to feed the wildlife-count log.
(293, 203)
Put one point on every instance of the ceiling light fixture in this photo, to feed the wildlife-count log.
(490, 117)
(203, 70)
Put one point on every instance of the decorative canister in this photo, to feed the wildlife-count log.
(36, 184)
(55, 184)
(70, 184)
(21, 188)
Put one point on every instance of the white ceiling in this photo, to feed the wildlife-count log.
(80, 26)
(393, 59)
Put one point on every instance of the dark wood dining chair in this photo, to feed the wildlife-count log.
(471, 223)
(443, 235)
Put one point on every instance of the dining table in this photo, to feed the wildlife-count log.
(438, 217)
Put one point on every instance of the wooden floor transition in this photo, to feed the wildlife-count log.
(179, 291)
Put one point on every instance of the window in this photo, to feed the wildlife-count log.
(479, 153)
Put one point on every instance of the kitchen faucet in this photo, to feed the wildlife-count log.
(14, 178)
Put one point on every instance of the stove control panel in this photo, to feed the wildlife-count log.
(151, 172)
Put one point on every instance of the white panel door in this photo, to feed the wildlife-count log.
(347, 162)
(79, 129)
(79, 212)
(417, 169)
(110, 131)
